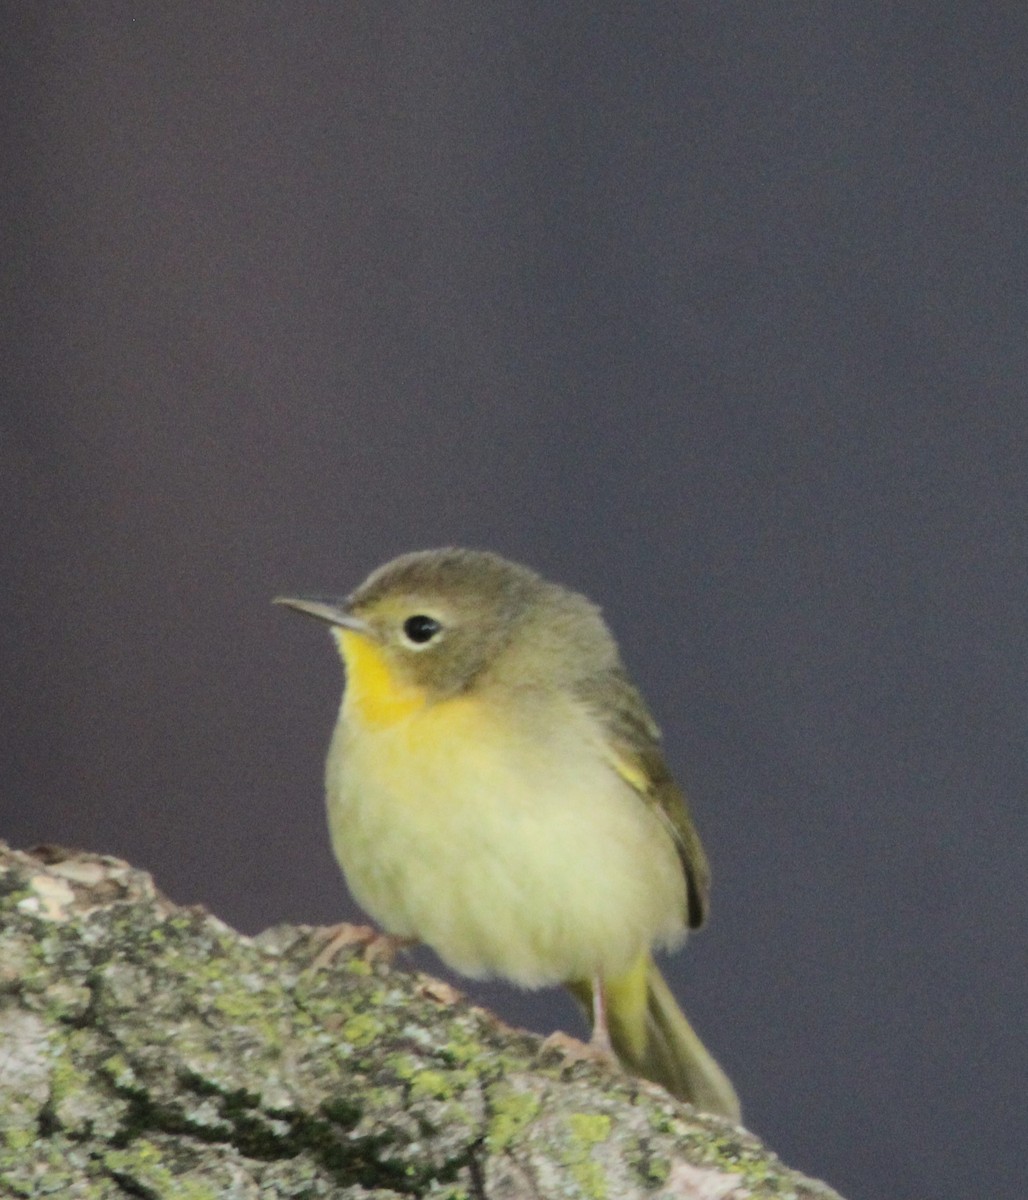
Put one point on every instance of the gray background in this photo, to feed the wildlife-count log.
(716, 312)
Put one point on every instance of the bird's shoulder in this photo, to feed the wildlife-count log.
(631, 742)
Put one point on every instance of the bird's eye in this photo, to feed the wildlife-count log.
(420, 629)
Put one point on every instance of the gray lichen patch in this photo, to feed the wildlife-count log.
(149, 1051)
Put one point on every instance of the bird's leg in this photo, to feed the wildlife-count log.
(599, 1048)
(600, 1040)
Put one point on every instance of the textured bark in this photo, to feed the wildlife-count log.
(147, 1050)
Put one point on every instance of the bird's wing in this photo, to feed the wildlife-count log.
(631, 742)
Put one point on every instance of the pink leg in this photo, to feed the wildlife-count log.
(600, 1039)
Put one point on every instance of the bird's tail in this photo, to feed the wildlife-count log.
(652, 1037)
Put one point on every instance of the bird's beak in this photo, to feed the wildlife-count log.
(332, 611)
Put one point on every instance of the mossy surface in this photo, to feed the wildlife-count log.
(150, 1051)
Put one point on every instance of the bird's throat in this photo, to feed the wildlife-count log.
(374, 694)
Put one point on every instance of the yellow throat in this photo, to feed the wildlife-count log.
(374, 694)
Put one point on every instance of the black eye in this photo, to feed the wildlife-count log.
(421, 629)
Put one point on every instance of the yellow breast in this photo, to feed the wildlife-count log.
(500, 837)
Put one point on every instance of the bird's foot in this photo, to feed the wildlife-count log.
(376, 947)
(572, 1050)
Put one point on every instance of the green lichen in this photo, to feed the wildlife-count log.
(511, 1113)
(432, 1084)
(656, 1170)
(34, 962)
(587, 1130)
(120, 1072)
(660, 1120)
(66, 1001)
(14, 887)
(382, 1099)
(736, 1153)
(590, 1127)
(363, 1029)
(67, 1079)
(51, 1169)
(651, 1168)
(17, 1139)
(403, 1066)
(463, 1050)
(245, 1009)
(142, 1166)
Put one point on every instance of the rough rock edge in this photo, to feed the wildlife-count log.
(147, 1050)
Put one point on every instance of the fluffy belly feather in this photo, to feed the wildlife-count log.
(509, 854)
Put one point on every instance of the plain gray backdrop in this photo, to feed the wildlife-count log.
(716, 312)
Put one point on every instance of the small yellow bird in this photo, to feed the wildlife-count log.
(496, 789)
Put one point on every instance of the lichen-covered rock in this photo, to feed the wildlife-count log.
(148, 1050)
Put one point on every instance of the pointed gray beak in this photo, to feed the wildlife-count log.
(332, 611)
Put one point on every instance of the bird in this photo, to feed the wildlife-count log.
(497, 790)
